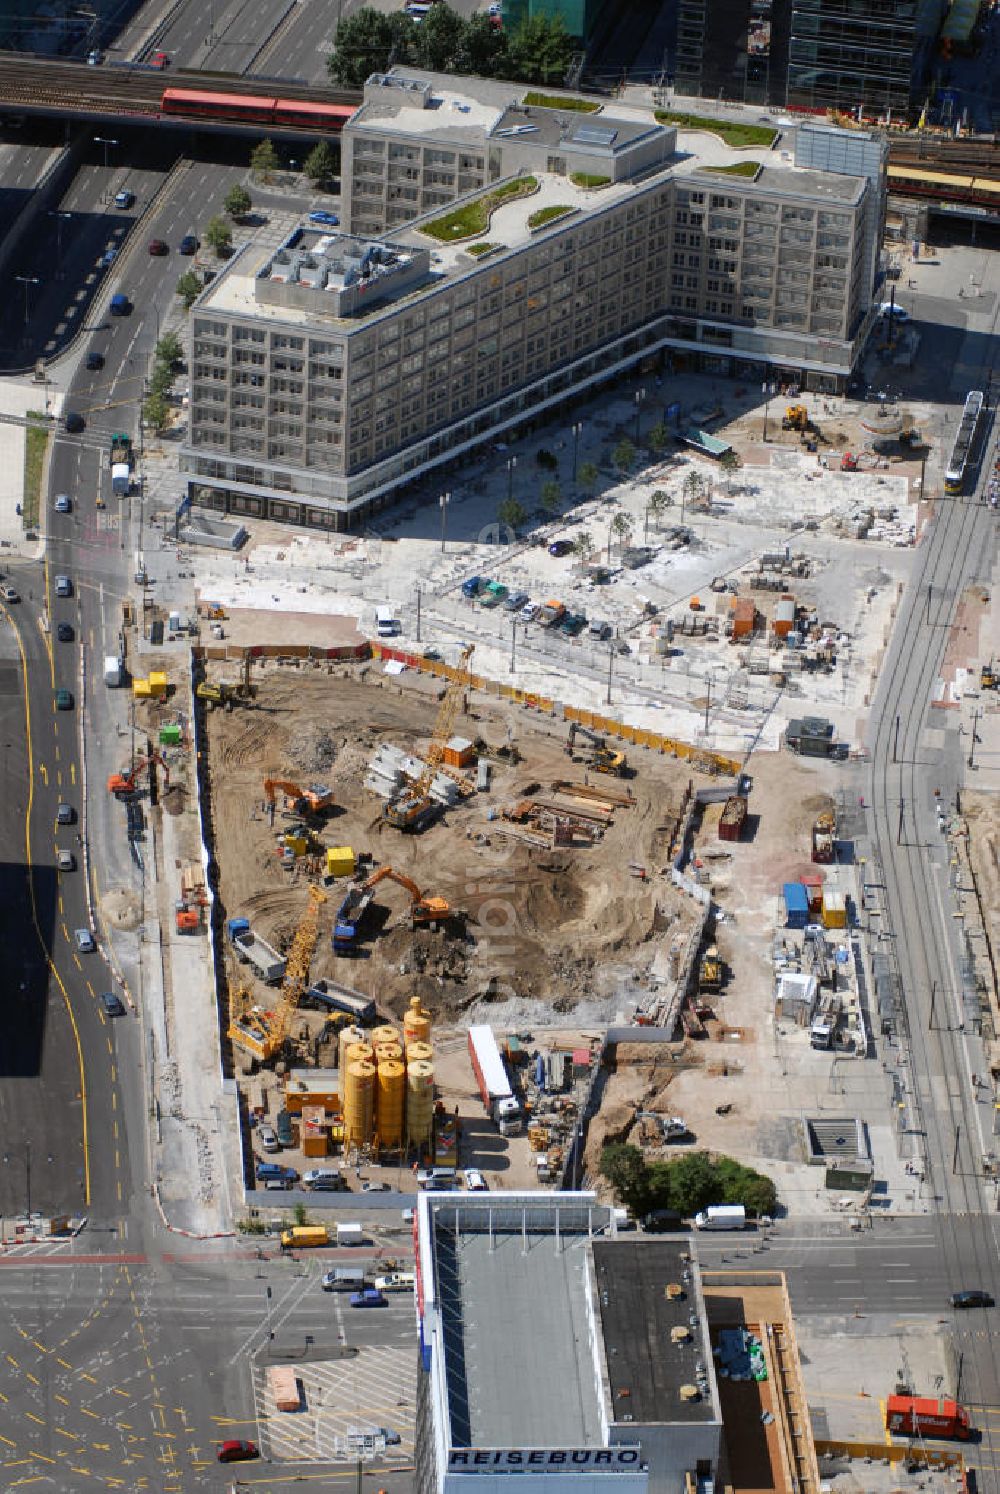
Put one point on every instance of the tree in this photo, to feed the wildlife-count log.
(551, 495)
(621, 527)
(587, 476)
(694, 486)
(625, 1169)
(439, 40)
(512, 513)
(365, 41)
(659, 502)
(689, 1183)
(189, 288)
(264, 160)
(219, 236)
(160, 379)
(583, 545)
(623, 456)
(320, 164)
(484, 48)
(540, 50)
(730, 462)
(155, 411)
(657, 438)
(238, 202)
(169, 350)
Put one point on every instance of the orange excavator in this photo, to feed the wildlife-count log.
(422, 909)
(122, 785)
(313, 799)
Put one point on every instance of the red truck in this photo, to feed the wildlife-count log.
(918, 1416)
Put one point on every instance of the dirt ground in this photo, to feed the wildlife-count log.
(549, 927)
(981, 812)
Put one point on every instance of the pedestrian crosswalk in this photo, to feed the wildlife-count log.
(376, 1388)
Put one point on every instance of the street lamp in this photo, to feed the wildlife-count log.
(577, 433)
(103, 140)
(444, 500)
(640, 395)
(60, 218)
(511, 469)
(27, 280)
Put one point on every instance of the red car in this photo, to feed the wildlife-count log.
(158, 247)
(238, 1452)
(159, 59)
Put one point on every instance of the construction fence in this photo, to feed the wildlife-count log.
(637, 736)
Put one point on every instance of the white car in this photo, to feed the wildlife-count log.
(529, 613)
(474, 1180)
(268, 1140)
(64, 504)
(84, 941)
(894, 310)
(396, 1281)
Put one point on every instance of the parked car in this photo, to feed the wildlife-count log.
(492, 594)
(371, 1187)
(515, 600)
(396, 1281)
(84, 941)
(368, 1298)
(471, 586)
(573, 625)
(324, 1180)
(267, 1138)
(107, 259)
(237, 1451)
(529, 612)
(64, 700)
(436, 1177)
(558, 548)
(283, 1127)
(328, 220)
(188, 244)
(270, 1171)
(64, 504)
(64, 632)
(974, 1298)
(598, 629)
(74, 422)
(474, 1180)
(158, 248)
(113, 1005)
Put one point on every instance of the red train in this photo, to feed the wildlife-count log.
(254, 109)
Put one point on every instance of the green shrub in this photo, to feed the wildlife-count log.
(730, 131)
(585, 180)
(474, 217)
(549, 214)
(555, 101)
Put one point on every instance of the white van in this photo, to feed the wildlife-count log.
(387, 624)
(722, 1216)
(113, 671)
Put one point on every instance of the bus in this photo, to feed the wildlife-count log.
(954, 477)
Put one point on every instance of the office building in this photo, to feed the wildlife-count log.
(329, 372)
(815, 55)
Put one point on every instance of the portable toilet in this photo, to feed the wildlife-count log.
(796, 905)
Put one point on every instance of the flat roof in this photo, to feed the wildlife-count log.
(647, 1363)
(519, 1364)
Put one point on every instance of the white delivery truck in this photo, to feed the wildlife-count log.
(722, 1216)
(387, 624)
(114, 671)
(350, 1234)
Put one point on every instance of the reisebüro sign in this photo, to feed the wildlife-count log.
(541, 1459)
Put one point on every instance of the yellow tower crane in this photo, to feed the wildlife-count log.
(299, 960)
(413, 808)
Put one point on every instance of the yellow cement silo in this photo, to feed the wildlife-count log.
(419, 1052)
(390, 1101)
(384, 1034)
(359, 1104)
(416, 1023)
(348, 1037)
(360, 1053)
(388, 1053)
(419, 1101)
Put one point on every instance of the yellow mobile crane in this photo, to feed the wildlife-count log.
(413, 809)
(264, 1034)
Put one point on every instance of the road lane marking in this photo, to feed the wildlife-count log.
(33, 1378)
(87, 1412)
(84, 1121)
(72, 774)
(57, 752)
(43, 770)
(11, 1360)
(76, 962)
(89, 1378)
(32, 1417)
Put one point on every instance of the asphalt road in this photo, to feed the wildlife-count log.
(129, 1373)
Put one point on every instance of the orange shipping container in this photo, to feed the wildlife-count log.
(284, 1387)
(744, 616)
(459, 752)
(313, 1131)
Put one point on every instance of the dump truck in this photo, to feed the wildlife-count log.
(350, 919)
(919, 1416)
(494, 1084)
(255, 951)
(327, 995)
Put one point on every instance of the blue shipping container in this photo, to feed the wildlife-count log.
(796, 905)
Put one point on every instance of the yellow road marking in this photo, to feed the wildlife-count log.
(76, 962)
(71, 1436)
(11, 1360)
(62, 1400)
(85, 1376)
(114, 1099)
(59, 777)
(32, 1417)
(86, 1411)
(115, 1390)
(63, 1362)
(72, 774)
(62, 910)
(7, 1440)
(57, 752)
(33, 1378)
(114, 1074)
(45, 774)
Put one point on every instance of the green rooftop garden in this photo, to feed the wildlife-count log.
(474, 217)
(550, 214)
(734, 134)
(556, 101)
(738, 168)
